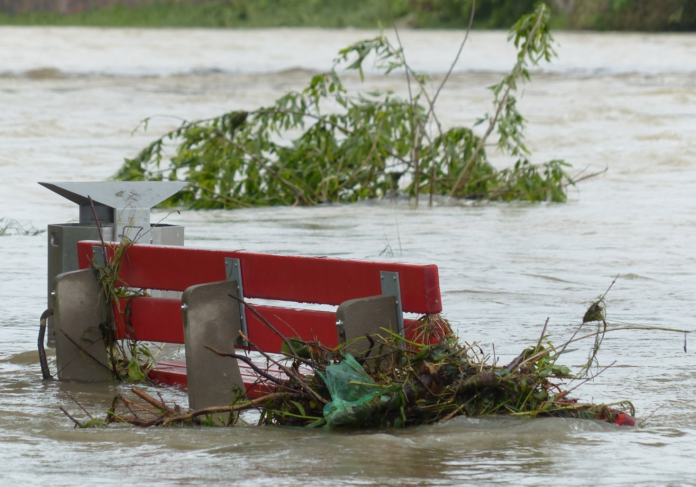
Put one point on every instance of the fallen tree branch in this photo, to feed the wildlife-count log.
(234, 407)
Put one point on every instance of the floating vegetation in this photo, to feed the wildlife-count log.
(359, 146)
(397, 383)
(129, 360)
(9, 226)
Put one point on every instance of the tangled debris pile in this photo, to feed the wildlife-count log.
(399, 383)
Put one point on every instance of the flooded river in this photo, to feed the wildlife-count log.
(69, 99)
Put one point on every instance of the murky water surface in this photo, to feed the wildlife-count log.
(69, 99)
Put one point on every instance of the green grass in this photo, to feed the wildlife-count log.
(261, 13)
(290, 13)
(641, 15)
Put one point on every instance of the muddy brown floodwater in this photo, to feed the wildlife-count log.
(69, 99)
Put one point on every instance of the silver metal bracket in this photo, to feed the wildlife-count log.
(98, 256)
(391, 287)
(233, 268)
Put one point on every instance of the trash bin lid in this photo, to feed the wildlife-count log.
(118, 194)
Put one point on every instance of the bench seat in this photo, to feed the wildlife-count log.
(173, 373)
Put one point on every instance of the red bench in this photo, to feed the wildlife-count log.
(369, 295)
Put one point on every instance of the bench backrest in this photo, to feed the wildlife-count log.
(297, 279)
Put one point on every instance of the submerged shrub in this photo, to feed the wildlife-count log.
(357, 147)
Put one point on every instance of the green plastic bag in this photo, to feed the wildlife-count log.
(354, 395)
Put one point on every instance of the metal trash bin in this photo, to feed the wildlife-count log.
(123, 210)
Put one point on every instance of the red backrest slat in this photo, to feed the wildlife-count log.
(160, 320)
(279, 277)
(305, 324)
(152, 320)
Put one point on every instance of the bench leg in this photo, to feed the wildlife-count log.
(365, 316)
(211, 318)
(79, 309)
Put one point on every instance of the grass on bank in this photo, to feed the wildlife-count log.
(642, 15)
(291, 13)
(268, 13)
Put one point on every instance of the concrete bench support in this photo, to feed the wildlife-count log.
(365, 316)
(211, 318)
(79, 309)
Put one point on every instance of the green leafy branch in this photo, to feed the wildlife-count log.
(357, 146)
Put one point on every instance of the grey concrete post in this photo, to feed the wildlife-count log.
(62, 256)
(79, 309)
(211, 318)
(365, 316)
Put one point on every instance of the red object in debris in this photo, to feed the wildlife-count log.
(624, 419)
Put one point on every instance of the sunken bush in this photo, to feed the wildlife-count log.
(354, 147)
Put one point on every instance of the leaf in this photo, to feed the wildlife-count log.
(299, 407)
(95, 423)
(561, 371)
(208, 421)
(594, 313)
(422, 353)
(317, 423)
(556, 370)
(134, 370)
(298, 348)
